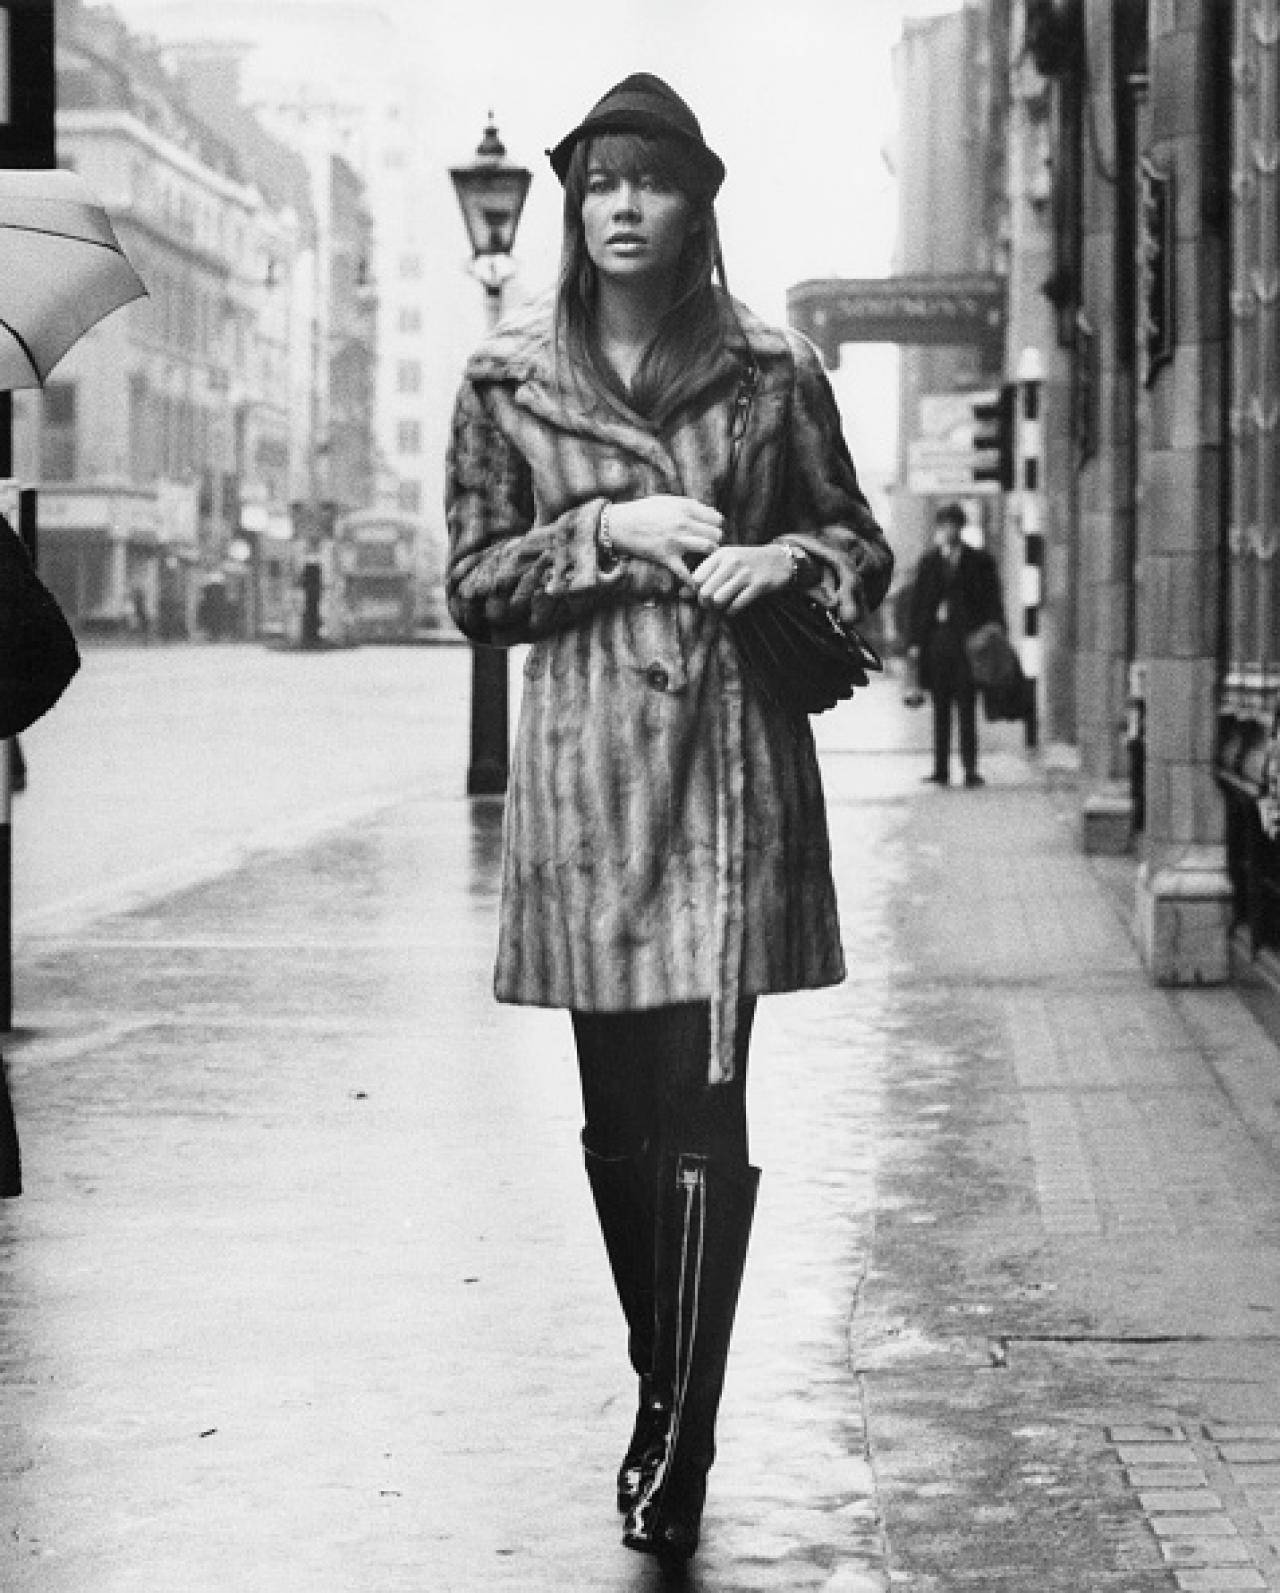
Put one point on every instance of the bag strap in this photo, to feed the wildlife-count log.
(743, 400)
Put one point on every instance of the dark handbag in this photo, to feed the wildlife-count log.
(1012, 699)
(800, 656)
(38, 653)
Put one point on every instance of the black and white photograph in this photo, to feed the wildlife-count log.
(639, 796)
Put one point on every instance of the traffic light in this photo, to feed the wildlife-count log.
(28, 84)
(994, 426)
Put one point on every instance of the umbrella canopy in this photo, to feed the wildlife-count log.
(61, 271)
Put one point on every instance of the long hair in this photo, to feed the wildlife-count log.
(698, 323)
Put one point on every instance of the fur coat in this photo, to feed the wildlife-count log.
(665, 837)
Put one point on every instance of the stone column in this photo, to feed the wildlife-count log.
(1183, 891)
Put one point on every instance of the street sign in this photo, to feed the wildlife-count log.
(951, 415)
(934, 477)
(941, 459)
(967, 308)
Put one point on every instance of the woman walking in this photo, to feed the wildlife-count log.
(631, 463)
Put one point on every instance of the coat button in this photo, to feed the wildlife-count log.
(657, 677)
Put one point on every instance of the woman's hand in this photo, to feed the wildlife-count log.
(733, 577)
(671, 531)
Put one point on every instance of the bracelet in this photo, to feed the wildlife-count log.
(607, 556)
(797, 561)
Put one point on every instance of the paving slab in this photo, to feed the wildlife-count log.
(1078, 1190)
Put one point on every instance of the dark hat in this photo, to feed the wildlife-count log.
(642, 103)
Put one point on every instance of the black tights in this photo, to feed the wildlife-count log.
(644, 1080)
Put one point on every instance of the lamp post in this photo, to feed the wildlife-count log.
(491, 193)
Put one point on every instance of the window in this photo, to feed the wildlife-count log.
(58, 434)
(409, 376)
(410, 318)
(143, 462)
(410, 266)
(410, 496)
(409, 437)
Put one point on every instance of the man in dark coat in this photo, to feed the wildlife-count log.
(957, 591)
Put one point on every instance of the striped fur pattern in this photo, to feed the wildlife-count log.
(666, 836)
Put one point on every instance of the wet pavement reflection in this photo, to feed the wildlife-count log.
(306, 1292)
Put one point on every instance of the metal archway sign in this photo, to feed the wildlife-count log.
(967, 308)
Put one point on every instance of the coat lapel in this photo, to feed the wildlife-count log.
(520, 355)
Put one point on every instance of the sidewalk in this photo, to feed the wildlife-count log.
(306, 1297)
(1068, 1337)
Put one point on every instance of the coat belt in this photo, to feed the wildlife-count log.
(730, 835)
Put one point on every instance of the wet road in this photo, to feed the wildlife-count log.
(167, 765)
(306, 1294)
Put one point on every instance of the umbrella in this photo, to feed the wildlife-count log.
(61, 271)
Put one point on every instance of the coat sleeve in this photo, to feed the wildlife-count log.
(827, 512)
(508, 579)
(38, 652)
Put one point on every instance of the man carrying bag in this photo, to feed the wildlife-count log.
(38, 659)
(957, 593)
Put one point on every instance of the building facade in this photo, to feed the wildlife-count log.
(331, 79)
(1139, 105)
(1138, 237)
(945, 231)
(165, 444)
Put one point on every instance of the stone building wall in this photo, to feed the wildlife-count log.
(1183, 888)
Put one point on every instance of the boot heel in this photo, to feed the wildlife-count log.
(646, 1439)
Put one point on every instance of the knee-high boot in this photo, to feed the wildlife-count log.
(624, 1189)
(705, 1210)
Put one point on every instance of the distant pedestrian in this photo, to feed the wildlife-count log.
(214, 612)
(666, 855)
(957, 592)
(141, 613)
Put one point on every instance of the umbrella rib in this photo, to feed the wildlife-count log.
(64, 237)
(23, 345)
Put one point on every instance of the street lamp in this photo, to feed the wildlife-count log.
(491, 193)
